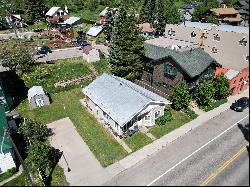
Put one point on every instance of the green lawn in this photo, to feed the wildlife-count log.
(101, 143)
(47, 75)
(102, 66)
(88, 14)
(7, 174)
(58, 179)
(179, 119)
(180, 3)
(137, 141)
(214, 105)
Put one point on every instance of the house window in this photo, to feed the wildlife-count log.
(193, 34)
(247, 58)
(157, 114)
(170, 70)
(214, 50)
(58, 13)
(147, 118)
(243, 42)
(217, 38)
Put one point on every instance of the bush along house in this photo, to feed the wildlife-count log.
(166, 68)
(123, 105)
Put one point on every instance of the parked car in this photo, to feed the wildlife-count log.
(84, 44)
(240, 105)
(44, 50)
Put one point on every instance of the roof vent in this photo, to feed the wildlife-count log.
(120, 84)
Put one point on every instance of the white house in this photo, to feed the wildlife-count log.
(123, 105)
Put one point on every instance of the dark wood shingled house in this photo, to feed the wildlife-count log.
(165, 68)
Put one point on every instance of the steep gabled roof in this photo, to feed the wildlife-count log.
(192, 62)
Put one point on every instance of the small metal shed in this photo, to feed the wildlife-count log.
(38, 97)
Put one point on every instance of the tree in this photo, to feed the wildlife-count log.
(126, 47)
(212, 19)
(144, 12)
(172, 15)
(41, 156)
(34, 9)
(109, 23)
(18, 59)
(205, 94)
(147, 13)
(222, 87)
(34, 130)
(181, 96)
(160, 20)
(203, 8)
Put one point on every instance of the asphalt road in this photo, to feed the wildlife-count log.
(212, 154)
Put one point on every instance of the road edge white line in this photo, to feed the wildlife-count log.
(196, 151)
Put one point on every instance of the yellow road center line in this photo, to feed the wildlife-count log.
(224, 166)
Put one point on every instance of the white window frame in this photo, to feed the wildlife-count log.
(147, 116)
(157, 114)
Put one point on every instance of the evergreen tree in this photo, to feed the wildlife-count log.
(160, 22)
(35, 9)
(147, 13)
(109, 24)
(143, 12)
(126, 47)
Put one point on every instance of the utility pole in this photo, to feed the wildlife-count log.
(28, 174)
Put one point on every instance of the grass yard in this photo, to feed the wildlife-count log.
(137, 141)
(58, 179)
(99, 140)
(179, 119)
(102, 66)
(47, 75)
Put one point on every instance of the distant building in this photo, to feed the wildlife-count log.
(7, 156)
(147, 30)
(38, 97)
(238, 80)
(165, 67)
(228, 45)
(225, 15)
(94, 31)
(188, 10)
(56, 15)
(123, 105)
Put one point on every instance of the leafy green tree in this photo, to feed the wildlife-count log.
(181, 96)
(144, 12)
(126, 47)
(34, 130)
(18, 59)
(222, 87)
(41, 156)
(168, 116)
(203, 8)
(212, 19)
(205, 94)
(171, 13)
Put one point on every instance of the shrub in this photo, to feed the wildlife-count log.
(191, 114)
(215, 105)
(165, 118)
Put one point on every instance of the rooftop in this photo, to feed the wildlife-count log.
(71, 21)
(146, 27)
(52, 11)
(193, 62)
(231, 74)
(35, 90)
(224, 11)
(94, 31)
(120, 98)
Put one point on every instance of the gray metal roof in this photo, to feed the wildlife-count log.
(193, 63)
(71, 21)
(208, 26)
(52, 11)
(120, 98)
(94, 31)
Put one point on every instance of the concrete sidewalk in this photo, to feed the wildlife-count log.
(158, 144)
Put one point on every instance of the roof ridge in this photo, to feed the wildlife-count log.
(129, 84)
